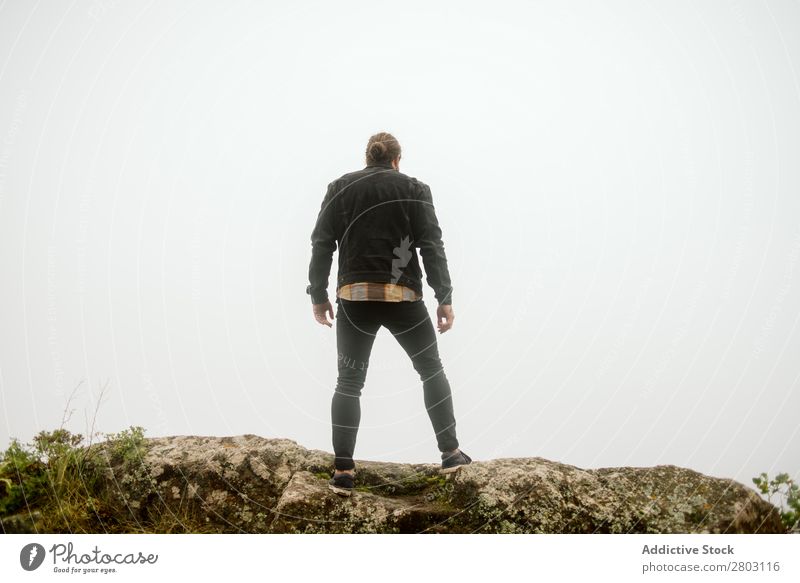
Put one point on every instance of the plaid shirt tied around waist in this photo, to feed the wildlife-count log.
(378, 292)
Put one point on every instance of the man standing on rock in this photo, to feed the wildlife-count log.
(379, 216)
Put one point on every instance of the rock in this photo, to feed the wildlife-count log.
(21, 523)
(250, 484)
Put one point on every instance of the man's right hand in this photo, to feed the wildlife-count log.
(444, 317)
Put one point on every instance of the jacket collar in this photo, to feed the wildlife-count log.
(380, 165)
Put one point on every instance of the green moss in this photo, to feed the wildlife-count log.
(437, 480)
(422, 483)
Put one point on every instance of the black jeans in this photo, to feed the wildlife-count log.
(357, 323)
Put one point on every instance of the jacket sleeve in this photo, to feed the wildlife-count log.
(428, 237)
(323, 244)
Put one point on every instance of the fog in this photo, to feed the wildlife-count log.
(617, 186)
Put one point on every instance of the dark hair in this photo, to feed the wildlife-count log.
(383, 147)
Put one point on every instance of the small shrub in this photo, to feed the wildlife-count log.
(23, 481)
(62, 478)
(127, 445)
(788, 496)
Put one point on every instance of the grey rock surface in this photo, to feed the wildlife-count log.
(251, 484)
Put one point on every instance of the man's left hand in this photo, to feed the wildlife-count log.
(321, 311)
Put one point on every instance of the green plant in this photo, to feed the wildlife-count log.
(64, 486)
(22, 478)
(52, 474)
(788, 495)
(127, 445)
(60, 484)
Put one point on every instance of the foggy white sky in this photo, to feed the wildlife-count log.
(617, 184)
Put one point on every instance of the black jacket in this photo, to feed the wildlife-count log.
(378, 216)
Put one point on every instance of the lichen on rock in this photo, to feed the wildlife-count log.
(248, 484)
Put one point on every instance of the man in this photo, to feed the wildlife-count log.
(379, 216)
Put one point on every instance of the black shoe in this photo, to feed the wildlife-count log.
(452, 462)
(342, 484)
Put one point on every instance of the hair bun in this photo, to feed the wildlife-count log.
(381, 148)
